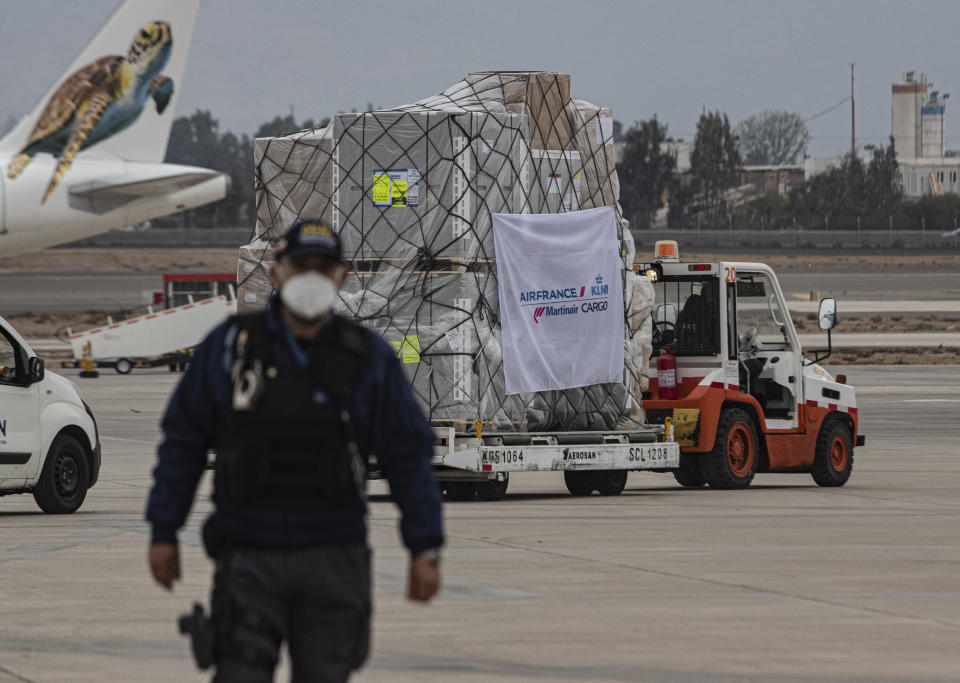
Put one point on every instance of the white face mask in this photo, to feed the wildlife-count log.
(308, 295)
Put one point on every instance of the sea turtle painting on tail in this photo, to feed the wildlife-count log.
(100, 100)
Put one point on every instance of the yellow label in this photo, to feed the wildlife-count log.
(381, 188)
(399, 193)
(408, 351)
(316, 229)
(685, 422)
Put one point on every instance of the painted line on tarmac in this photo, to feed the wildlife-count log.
(15, 675)
(931, 400)
(894, 389)
(119, 438)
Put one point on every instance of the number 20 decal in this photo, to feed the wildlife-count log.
(731, 274)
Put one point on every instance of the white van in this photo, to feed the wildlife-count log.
(49, 445)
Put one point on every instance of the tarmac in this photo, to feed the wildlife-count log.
(783, 581)
(908, 289)
(50, 347)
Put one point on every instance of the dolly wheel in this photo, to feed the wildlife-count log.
(579, 483)
(459, 490)
(688, 474)
(492, 489)
(611, 482)
(833, 459)
(733, 461)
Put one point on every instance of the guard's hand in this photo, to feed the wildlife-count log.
(424, 580)
(164, 561)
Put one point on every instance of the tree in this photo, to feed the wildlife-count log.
(773, 138)
(883, 181)
(645, 171)
(283, 125)
(617, 131)
(713, 164)
(195, 140)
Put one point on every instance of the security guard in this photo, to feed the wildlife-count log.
(293, 400)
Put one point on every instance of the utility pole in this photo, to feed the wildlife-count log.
(853, 118)
(943, 115)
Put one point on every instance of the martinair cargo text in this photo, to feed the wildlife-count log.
(89, 157)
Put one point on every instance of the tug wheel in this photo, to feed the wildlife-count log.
(732, 463)
(833, 458)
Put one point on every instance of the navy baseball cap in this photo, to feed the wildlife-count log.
(309, 237)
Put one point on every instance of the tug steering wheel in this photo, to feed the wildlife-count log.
(663, 334)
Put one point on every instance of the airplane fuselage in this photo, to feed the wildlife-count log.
(133, 192)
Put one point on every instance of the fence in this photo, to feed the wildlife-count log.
(164, 238)
(743, 237)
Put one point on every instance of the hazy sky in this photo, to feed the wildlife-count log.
(253, 59)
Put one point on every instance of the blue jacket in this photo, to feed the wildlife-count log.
(381, 406)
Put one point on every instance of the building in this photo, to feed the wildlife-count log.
(766, 179)
(917, 116)
(930, 176)
(918, 127)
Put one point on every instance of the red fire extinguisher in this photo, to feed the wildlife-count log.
(667, 373)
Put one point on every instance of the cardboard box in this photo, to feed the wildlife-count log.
(540, 95)
(593, 139)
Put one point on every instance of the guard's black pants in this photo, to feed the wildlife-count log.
(317, 600)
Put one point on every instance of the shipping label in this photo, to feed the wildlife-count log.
(396, 187)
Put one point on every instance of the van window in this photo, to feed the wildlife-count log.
(8, 360)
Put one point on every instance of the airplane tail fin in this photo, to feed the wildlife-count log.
(146, 139)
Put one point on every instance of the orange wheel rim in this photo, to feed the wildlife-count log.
(740, 450)
(838, 454)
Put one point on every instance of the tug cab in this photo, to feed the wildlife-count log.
(746, 397)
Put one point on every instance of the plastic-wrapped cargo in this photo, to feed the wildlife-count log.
(424, 181)
(411, 191)
(253, 275)
(294, 177)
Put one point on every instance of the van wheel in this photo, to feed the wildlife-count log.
(459, 490)
(65, 477)
(733, 461)
(611, 482)
(492, 489)
(833, 458)
(579, 483)
(688, 474)
(123, 366)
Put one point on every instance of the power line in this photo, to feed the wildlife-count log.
(827, 111)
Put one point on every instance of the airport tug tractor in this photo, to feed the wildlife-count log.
(738, 392)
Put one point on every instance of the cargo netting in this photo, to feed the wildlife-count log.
(411, 191)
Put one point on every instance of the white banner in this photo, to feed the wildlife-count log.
(561, 299)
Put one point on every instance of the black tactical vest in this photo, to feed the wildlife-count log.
(295, 447)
